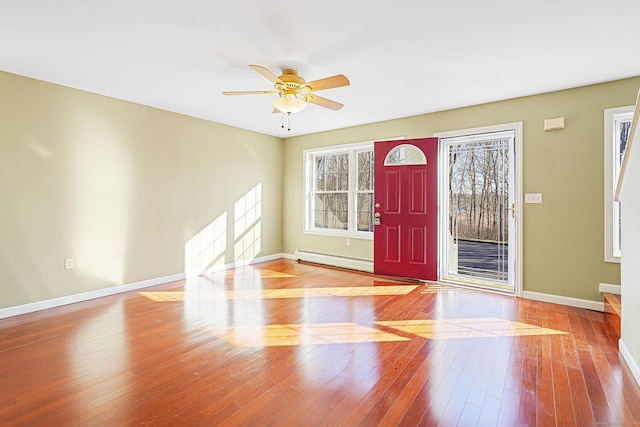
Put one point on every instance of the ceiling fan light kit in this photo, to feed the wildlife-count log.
(294, 92)
(289, 103)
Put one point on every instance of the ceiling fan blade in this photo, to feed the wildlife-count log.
(250, 92)
(266, 73)
(323, 102)
(328, 83)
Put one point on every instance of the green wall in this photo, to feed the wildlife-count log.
(134, 193)
(563, 240)
(126, 191)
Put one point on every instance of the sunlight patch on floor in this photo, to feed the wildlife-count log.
(349, 332)
(251, 273)
(302, 334)
(355, 291)
(467, 328)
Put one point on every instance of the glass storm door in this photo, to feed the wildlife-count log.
(478, 235)
(406, 208)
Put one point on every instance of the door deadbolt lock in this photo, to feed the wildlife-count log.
(376, 218)
(377, 205)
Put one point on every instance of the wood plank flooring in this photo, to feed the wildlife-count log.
(288, 344)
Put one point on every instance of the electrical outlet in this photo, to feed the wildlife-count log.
(348, 242)
(68, 264)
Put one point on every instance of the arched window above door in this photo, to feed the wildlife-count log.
(405, 154)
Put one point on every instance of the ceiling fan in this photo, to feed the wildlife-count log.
(294, 92)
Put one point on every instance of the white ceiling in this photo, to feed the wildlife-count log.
(403, 57)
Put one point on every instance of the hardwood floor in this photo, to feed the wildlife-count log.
(289, 344)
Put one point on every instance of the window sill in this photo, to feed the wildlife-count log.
(343, 234)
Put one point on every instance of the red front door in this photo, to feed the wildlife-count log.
(406, 208)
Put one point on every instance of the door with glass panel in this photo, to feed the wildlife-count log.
(406, 208)
(478, 244)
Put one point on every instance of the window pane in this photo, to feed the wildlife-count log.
(331, 210)
(331, 172)
(330, 164)
(343, 172)
(365, 212)
(319, 183)
(365, 170)
(623, 137)
(405, 154)
(331, 180)
(479, 189)
(623, 126)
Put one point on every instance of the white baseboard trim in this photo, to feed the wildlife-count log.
(609, 288)
(85, 296)
(569, 301)
(335, 261)
(113, 290)
(633, 365)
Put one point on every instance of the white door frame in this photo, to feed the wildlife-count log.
(443, 194)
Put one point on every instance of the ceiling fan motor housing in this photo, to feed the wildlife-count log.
(291, 80)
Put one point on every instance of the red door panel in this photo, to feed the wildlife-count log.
(418, 241)
(392, 249)
(406, 205)
(417, 192)
(392, 191)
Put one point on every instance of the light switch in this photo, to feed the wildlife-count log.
(533, 198)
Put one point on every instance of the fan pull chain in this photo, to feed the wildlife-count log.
(288, 121)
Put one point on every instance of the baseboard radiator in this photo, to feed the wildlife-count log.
(335, 261)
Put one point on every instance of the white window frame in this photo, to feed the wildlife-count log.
(612, 116)
(308, 223)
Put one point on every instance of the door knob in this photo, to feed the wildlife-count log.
(377, 214)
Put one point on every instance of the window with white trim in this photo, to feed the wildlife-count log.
(617, 123)
(339, 190)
